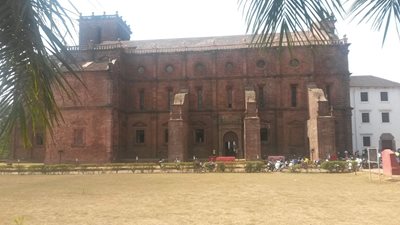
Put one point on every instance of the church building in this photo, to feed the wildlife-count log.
(197, 97)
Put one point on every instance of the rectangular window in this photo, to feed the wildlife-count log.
(384, 96)
(199, 136)
(79, 137)
(261, 100)
(264, 134)
(199, 99)
(170, 99)
(364, 96)
(365, 117)
(366, 141)
(139, 136)
(293, 95)
(229, 97)
(141, 100)
(385, 117)
(166, 136)
(39, 140)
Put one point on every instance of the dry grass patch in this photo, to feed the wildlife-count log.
(272, 198)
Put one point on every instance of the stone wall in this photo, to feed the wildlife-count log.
(125, 107)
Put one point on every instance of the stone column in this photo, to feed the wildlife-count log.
(178, 129)
(320, 126)
(252, 142)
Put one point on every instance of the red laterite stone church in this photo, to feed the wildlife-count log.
(195, 97)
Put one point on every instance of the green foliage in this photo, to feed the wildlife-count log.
(4, 146)
(381, 14)
(254, 167)
(258, 166)
(173, 166)
(338, 166)
(197, 166)
(221, 167)
(210, 166)
(288, 21)
(275, 21)
(33, 57)
(295, 168)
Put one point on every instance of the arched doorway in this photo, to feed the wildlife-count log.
(386, 141)
(230, 144)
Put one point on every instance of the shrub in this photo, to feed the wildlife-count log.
(35, 169)
(83, 168)
(20, 169)
(5, 168)
(221, 167)
(210, 166)
(62, 168)
(295, 168)
(197, 167)
(338, 166)
(230, 167)
(249, 167)
(116, 168)
(258, 166)
(253, 167)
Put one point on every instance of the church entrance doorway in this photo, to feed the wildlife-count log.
(230, 144)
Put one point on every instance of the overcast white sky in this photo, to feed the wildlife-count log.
(158, 19)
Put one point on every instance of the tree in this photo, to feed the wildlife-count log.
(32, 57)
(299, 21)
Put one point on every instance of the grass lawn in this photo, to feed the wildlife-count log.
(212, 198)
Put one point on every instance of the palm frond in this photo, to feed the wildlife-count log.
(286, 22)
(381, 14)
(30, 42)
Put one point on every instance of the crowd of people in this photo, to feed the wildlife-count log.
(361, 161)
(278, 164)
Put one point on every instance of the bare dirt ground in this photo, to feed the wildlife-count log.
(216, 198)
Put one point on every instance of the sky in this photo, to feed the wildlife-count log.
(160, 19)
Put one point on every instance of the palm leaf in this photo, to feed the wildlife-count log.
(382, 14)
(30, 42)
(287, 22)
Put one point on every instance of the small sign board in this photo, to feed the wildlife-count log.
(373, 155)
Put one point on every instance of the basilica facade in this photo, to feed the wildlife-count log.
(197, 97)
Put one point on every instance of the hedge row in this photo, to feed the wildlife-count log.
(339, 166)
(124, 167)
(244, 166)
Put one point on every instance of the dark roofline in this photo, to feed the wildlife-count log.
(371, 81)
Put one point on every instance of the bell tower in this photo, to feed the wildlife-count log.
(96, 29)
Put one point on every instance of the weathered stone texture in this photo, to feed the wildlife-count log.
(125, 109)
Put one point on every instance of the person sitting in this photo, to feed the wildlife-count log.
(277, 165)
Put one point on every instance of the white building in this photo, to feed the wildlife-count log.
(376, 113)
